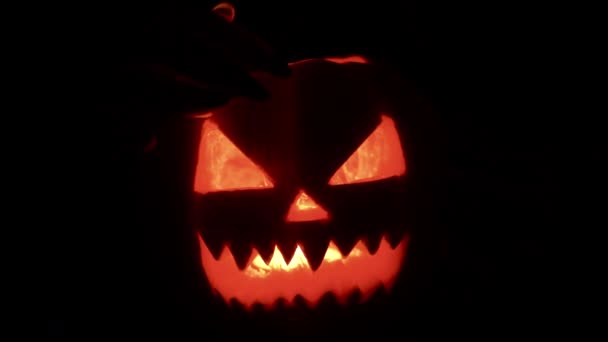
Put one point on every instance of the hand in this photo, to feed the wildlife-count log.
(91, 87)
(206, 53)
(148, 59)
(123, 75)
(200, 57)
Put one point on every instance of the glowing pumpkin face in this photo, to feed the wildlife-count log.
(300, 195)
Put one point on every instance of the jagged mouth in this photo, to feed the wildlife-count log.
(364, 269)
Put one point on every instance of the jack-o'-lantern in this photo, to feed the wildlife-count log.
(301, 194)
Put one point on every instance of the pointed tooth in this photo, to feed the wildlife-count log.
(299, 302)
(218, 300)
(355, 297)
(280, 304)
(328, 303)
(383, 293)
(214, 244)
(345, 243)
(264, 245)
(372, 241)
(257, 308)
(378, 296)
(266, 250)
(314, 250)
(287, 249)
(241, 252)
(236, 305)
(394, 238)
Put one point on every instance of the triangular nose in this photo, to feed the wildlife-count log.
(304, 208)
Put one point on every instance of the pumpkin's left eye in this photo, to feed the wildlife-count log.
(222, 166)
(380, 156)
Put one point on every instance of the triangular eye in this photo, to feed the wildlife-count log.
(380, 156)
(222, 166)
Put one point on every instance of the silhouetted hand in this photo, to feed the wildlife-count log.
(203, 56)
(186, 62)
(121, 75)
(152, 58)
(93, 88)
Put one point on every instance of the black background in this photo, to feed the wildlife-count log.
(107, 252)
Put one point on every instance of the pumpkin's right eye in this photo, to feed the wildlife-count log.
(380, 156)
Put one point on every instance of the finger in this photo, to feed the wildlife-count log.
(216, 73)
(156, 92)
(222, 54)
(178, 93)
(225, 10)
(245, 48)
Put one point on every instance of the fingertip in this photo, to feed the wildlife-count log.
(225, 10)
(257, 91)
(281, 68)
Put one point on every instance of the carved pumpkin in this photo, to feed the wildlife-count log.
(302, 194)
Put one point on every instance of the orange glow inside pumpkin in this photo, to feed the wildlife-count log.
(266, 283)
(222, 166)
(304, 208)
(380, 156)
